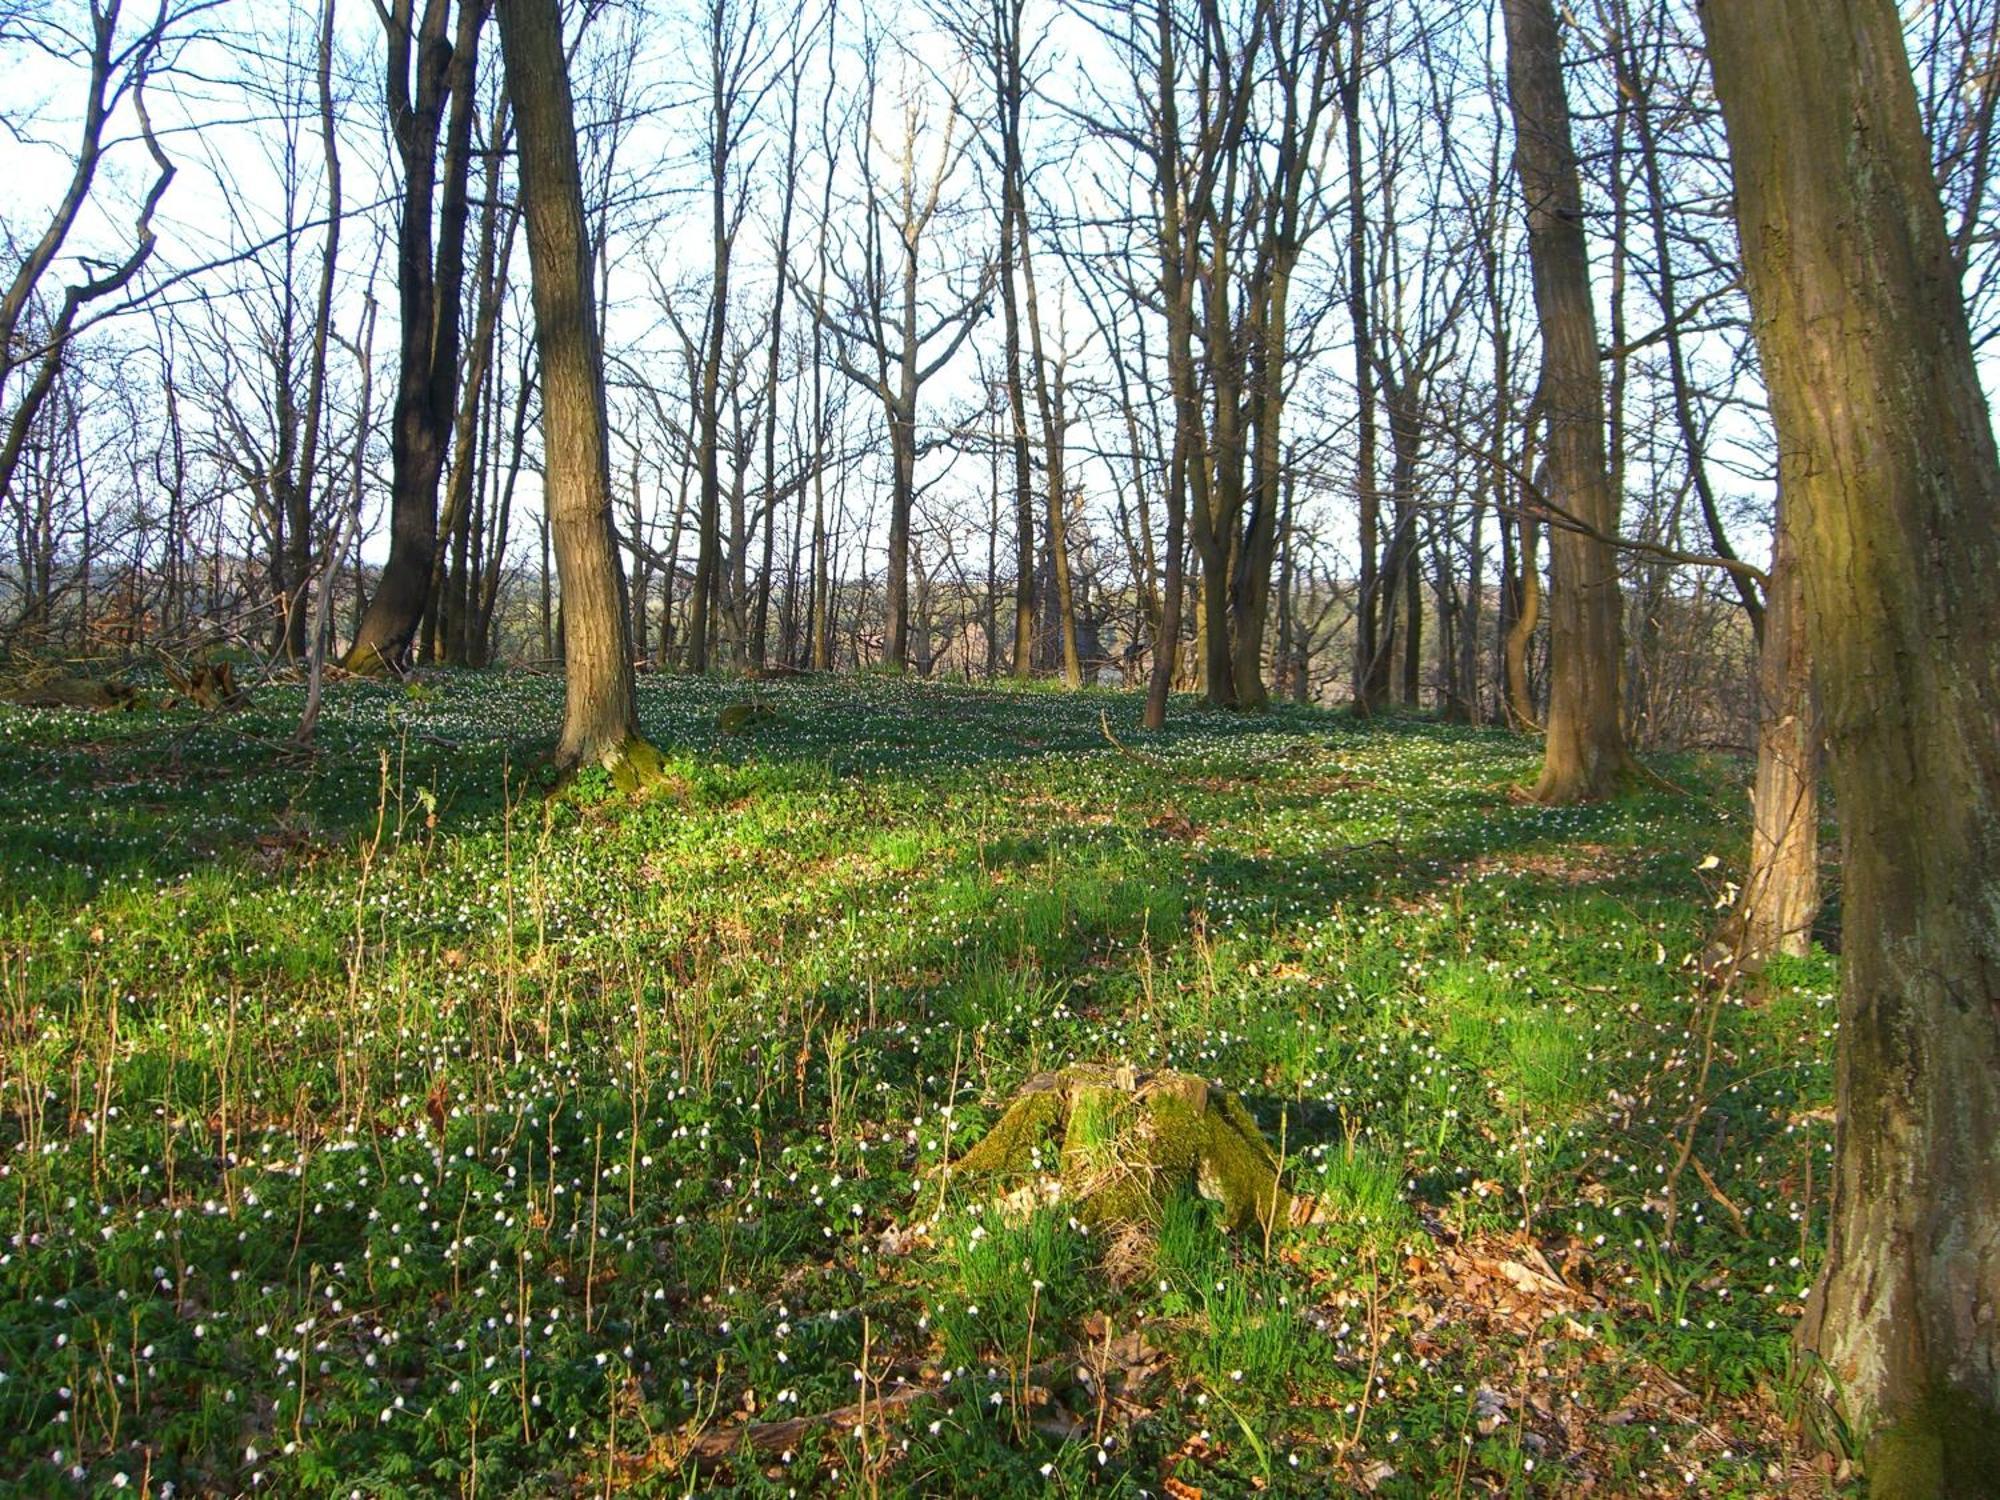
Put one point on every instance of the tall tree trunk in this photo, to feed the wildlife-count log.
(1410, 690)
(1525, 585)
(445, 619)
(760, 625)
(1368, 682)
(1894, 489)
(1634, 84)
(1401, 617)
(1584, 753)
(902, 506)
(1050, 401)
(601, 719)
(1167, 644)
(493, 541)
(708, 410)
(819, 616)
(301, 484)
(429, 282)
(1008, 91)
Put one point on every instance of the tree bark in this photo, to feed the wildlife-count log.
(445, 619)
(1584, 752)
(1861, 324)
(1781, 890)
(600, 722)
(429, 281)
(1008, 92)
(1367, 682)
(1050, 401)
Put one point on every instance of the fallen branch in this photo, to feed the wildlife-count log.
(712, 1448)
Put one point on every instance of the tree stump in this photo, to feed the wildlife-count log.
(1121, 1142)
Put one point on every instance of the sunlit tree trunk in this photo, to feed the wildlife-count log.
(1895, 499)
(601, 721)
(1584, 752)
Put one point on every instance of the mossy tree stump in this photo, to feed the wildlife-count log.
(1121, 1142)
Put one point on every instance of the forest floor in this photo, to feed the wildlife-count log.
(374, 1123)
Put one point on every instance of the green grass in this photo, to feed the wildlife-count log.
(372, 1122)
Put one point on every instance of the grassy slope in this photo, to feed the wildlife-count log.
(694, 1063)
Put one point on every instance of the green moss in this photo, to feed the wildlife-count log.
(1239, 1170)
(1946, 1447)
(365, 661)
(739, 718)
(1105, 1170)
(1009, 1147)
(1177, 1125)
(634, 764)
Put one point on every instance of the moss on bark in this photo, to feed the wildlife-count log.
(1947, 1447)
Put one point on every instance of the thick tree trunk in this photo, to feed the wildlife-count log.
(601, 721)
(1584, 752)
(1781, 890)
(1896, 503)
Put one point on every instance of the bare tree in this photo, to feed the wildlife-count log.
(737, 49)
(433, 70)
(116, 67)
(892, 333)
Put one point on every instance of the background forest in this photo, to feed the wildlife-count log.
(891, 348)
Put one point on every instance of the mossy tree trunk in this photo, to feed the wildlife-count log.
(601, 721)
(1584, 753)
(1895, 498)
